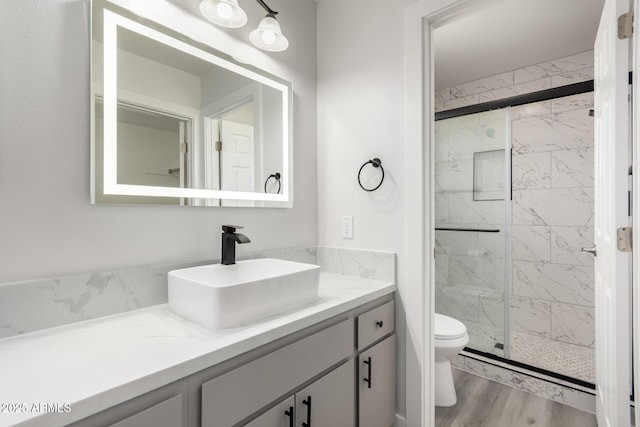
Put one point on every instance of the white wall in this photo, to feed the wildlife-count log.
(145, 150)
(47, 225)
(360, 116)
(150, 78)
(271, 133)
(218, 83)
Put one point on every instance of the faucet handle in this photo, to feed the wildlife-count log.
(231, 228)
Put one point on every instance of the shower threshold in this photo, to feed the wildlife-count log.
(535, 371)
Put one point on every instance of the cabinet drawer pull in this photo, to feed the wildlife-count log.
(289, 413)
(379, 323)
(368, 379)
(307, 402)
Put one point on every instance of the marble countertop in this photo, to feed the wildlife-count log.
(99, 363)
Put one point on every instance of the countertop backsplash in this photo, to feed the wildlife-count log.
(33, 305)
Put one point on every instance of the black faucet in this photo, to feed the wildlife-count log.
(229, 240)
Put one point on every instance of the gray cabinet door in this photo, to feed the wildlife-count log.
(234, 396)
(377, 399)
(330, 401)
(280, 415)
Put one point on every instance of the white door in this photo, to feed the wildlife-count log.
(636, 208)
(237, 160)
(611, 185)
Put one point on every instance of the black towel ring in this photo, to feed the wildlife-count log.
(277, 178)
(376, 163)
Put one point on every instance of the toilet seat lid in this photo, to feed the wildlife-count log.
(448, 328)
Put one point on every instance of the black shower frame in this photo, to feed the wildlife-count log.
(514, 101)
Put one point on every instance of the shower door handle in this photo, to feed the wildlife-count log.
(591, 250)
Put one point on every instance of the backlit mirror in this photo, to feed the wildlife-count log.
(177, 122)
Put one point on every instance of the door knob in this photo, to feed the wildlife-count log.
(591, 250)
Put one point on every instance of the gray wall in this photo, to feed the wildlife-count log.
(360, 116)
(47, 225)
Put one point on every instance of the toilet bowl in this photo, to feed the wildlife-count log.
(450, 337)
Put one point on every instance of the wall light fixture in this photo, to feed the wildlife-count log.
(229, 14)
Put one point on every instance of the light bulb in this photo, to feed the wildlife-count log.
(268, 37)
(226, 13)
(224, 10)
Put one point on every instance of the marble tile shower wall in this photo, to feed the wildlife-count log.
(39, 304)
(552, 210)
(552, 218)
(559, 72)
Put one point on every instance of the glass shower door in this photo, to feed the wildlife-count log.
(471, 164)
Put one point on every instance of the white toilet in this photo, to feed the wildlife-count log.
(451, 337)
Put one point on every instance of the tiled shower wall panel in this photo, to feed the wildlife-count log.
(558, 72)
(552, 218)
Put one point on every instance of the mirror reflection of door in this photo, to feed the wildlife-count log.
(152, 151)
(235, 151)
(237, 156)
(149, 147)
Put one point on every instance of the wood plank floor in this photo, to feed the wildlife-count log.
(484, 403)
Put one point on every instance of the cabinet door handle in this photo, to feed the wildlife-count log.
(307, 402)
(289, 413)
(379, 323)
(368, 379)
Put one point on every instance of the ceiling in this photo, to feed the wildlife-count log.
(511, 34)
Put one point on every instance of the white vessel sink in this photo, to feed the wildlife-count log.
(224, 296)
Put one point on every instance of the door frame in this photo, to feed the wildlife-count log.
(418, 295)
(150, 104)
(635, 209)
(418, 300)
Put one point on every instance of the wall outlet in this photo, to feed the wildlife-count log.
(347, 227)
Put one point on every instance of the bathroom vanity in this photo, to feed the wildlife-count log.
(328, 363)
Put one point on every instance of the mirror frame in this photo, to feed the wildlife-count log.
(151, 29)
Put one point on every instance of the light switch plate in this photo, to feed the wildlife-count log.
(347, 227)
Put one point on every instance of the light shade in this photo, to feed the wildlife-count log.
(226, 13)
(268, 35)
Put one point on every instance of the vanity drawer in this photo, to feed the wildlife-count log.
(375, 324)
(231, 397)
(164, 414)
(163, 407)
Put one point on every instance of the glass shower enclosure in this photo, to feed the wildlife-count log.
(471, 227)
(513, 205)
